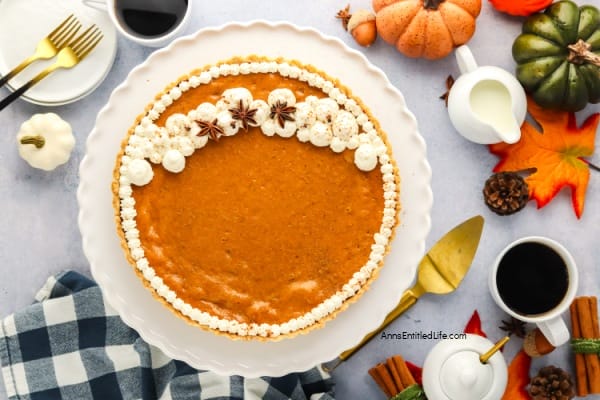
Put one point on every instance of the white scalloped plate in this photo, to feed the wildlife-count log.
(136, 305)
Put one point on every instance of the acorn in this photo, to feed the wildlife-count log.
(535, 344)
(360, 24)
(362, 27)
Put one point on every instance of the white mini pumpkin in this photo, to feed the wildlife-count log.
(45, 141)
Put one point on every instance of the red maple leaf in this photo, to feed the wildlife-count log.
(474, 325)
(518, 378)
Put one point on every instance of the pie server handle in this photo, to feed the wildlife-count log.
(408, 300)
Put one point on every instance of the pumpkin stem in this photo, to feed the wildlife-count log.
(432, 4)
(581, 52)
(38, 141)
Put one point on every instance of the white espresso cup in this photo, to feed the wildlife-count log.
(528, 282)
(153, 23)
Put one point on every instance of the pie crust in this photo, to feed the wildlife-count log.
(198, 128)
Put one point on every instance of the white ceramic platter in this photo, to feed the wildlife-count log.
(136, 305)
(40, 17)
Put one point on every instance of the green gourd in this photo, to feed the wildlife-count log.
(558, 56)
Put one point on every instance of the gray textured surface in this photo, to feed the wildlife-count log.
(39, 234)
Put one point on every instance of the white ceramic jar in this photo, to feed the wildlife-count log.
(453, 371)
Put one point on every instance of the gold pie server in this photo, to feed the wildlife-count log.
(440, 271)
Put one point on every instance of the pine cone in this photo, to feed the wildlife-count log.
(552, 383)
(505, 193)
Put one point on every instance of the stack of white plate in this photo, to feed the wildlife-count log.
(23, 23)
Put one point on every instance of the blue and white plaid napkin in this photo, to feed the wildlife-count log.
(71, 344)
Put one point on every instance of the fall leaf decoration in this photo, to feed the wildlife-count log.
(416, 371)
(474, 325)
(518, 378)
(520, 7)
(555, 155)
(449, 84)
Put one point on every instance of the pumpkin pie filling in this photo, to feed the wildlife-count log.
(236, 237)
(256, 229)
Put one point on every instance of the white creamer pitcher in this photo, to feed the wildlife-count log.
(486, 104)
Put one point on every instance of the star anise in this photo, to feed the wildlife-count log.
(449, 83)
(282, 112)
(243, 114)
(513, 326)
(211, 129)
(344, 15)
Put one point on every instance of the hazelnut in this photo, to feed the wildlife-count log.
(362, 27)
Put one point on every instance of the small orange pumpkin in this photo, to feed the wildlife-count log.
(426, 28)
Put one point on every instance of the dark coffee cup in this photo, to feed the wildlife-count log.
(151, 23)
(534, 279)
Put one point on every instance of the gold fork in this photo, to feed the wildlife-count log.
(49, 46)
(68, 57)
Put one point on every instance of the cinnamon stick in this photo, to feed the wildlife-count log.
(384, 379)
(405, 375)
(375, 375)
(592, 362)
(594, 333)
(580, 373)
(593, 301)
(595, 323)
(395, 374)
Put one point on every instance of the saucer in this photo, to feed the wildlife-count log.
(23, 23)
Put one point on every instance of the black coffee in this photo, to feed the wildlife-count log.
(532, 278)
(150, 18)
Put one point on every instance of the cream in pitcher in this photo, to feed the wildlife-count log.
(486, 104)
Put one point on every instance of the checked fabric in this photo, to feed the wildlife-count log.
(70, 344)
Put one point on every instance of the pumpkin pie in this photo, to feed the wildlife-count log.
(256, 198)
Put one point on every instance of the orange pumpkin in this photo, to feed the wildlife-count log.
(426, 28)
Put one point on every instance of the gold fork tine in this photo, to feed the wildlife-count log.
(91, 42)
(65, 36)
(49, 46)
(59, 31)
(68, 57)
(91, 47)
(70, 19)
(81, 38)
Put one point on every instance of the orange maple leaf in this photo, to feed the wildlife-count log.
(555, 154)
(518, 378)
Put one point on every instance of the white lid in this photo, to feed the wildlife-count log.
(452, 371)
